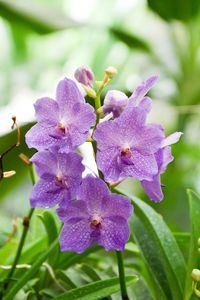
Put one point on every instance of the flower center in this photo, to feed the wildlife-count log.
(60, 181)
(96, 220)
(61, 127)
(126, 152)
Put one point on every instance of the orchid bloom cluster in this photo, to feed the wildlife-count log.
(124, 146)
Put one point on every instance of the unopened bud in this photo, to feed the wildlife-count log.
(196, 275)
(111, 72)
(8, 174)
(198, 242)
(84, 75)
(24, 158)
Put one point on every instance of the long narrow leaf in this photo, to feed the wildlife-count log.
(193, 261)
(31, 272)
(96, 290)
(159, 249)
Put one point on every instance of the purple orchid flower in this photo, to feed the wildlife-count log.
(96, 217)
(163, 157)
(63, 124)
(127, 147)
(60, 176)
(116, 101)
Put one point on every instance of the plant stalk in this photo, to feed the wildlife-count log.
(122, 280)
(26, 221)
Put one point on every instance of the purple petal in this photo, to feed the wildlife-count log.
(70, 164)
(67, 92)
(45, 162)
(116, 205)
(140, 167)
(74, 209)
(153, 188)
(114, 233)
(115, 102)
(47, 112)
(46, 194)
(146, 104)
(75, 235)
(92, 191)
(142, 89)
(39, 137)
(164, 157)
(107, 162)
(105, 135)
(171, 139)
(148, 139)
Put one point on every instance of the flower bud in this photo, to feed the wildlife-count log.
(111, 72)
(196, 275)
(115, 102)
(84, 75)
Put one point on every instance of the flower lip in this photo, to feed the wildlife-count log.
(61, 127)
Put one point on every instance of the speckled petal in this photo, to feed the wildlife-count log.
(92, 192)
(75, 235)
(39, 137)
(46, 111)
(116, 205)
(46, 194)
(67, 92)
(148, 139)
(140, 167)
(153, 188)
(115, 102)
(142, 89)
(114, 233)
(107, 162)
(45, 162)
(74, 209)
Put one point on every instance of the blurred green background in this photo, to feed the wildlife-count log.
(42, 41)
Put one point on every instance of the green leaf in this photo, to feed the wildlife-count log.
(38, 18)
(31, 272)
(175, 9)
(133, 42)
(90, 272)
(66, 281)
(159, 249)
(183, 240)
(194, 260)
(68, 259)
(96, 290)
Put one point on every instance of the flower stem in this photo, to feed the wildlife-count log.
(26, 221)
(122, 275)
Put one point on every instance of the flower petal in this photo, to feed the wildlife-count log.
(114, 233)
(75, 235)
(171, 139)
(141, 167)
(153, 188)
(67, 92)
(46, 194)
(142, 89)
(46, 111)
(74, 209)
(45, 162)
(107, 162)
(116, 205)
(39, 137)
(115, 102)
(92, 191)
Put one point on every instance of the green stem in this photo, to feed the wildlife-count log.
(26, 221)
(122, 275)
